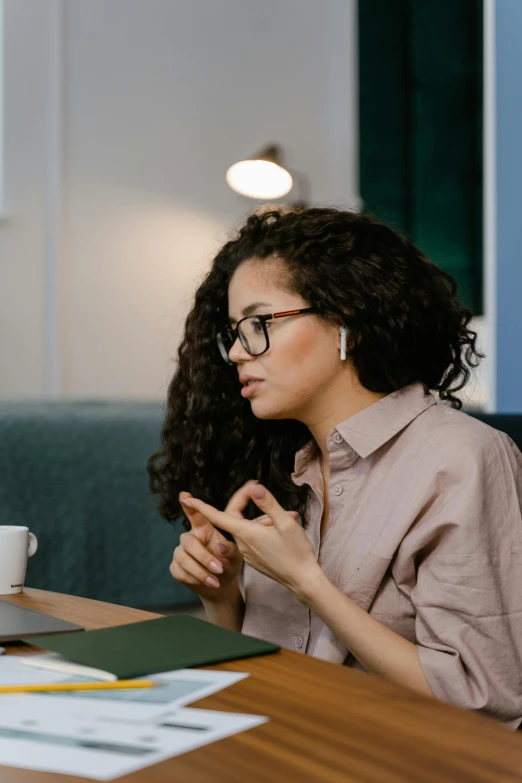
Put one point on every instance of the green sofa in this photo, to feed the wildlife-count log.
(75, 474)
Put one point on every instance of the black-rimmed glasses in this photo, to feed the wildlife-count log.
(252, 333)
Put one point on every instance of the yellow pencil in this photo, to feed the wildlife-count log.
(79, 686)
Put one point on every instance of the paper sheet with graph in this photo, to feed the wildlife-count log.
(106, 734)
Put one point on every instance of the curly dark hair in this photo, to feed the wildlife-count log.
(404, 325)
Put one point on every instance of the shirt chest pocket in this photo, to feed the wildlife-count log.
(362, 584)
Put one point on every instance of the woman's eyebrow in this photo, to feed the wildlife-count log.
(249, 309)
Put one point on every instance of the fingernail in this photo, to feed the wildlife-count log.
(212, 581)
(217, 568)
(223, 549)
(259, 492)
(188, 503)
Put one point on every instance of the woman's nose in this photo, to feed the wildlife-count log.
(238, 353)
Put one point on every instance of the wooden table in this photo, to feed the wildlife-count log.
(328, 723)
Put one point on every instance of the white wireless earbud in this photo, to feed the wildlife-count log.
(344, 332)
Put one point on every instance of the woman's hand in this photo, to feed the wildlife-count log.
(205, 561)
(278, 548)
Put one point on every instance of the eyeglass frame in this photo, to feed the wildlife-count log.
(263, 318)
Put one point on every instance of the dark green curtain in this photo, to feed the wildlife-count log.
(420, 110)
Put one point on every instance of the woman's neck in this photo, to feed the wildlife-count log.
(347, 407)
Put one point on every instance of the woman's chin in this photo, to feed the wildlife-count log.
(264, 411)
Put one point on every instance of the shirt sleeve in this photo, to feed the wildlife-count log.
(468, 589)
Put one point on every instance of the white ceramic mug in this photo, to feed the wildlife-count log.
(16, 545)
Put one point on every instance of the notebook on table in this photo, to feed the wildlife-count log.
(153, 646)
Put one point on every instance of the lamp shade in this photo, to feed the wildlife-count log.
(262, 176)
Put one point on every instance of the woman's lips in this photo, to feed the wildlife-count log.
(247, 391)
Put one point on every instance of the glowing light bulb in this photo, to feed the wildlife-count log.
(259, 179)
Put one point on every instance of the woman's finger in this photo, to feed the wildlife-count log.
(224, 520)
(265, 520)
(266, 502)
(195, 569)
(180, 575)
(200, 553)
(240, 499)
(197, 521)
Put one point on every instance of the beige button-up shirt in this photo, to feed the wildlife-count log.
(424, 533)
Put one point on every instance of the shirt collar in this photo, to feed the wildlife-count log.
(303, 456)
(372, 427)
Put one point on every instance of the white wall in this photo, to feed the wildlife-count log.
(122, 117)
(26, 56)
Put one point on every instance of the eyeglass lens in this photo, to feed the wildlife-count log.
(252, 336)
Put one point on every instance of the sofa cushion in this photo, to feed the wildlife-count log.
(75, 474)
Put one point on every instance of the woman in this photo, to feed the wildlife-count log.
(388, 534)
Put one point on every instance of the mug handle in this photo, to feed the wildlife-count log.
(33, 544)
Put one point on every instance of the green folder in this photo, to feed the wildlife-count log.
(152, 646)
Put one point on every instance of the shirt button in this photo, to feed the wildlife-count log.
(337, 489)
(338, 438)
(298, 641)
